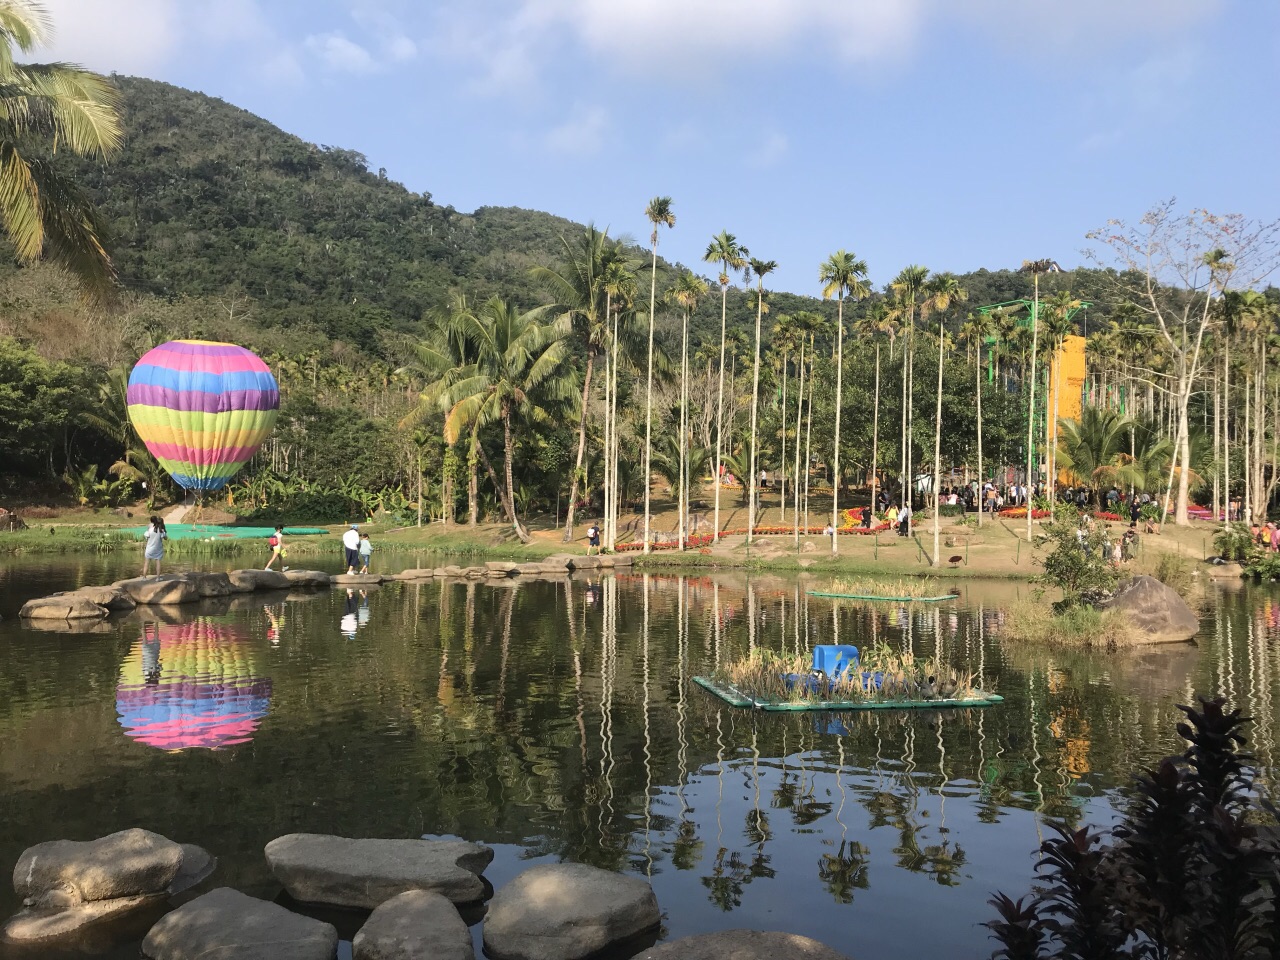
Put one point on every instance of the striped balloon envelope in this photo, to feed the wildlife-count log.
(202, 408)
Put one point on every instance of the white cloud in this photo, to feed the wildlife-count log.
(583, 134)
(338, 53)
(121, 36)
(401, 48)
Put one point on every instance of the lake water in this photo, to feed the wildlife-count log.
(557, 721)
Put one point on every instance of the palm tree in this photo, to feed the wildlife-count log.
(876, 321)
(908, 289)
(943, 290)
(1035, 268)
(980, 327)
(685, 294)
(659, 214)
(620, 293)
(725, 250)
(51, 107)
(842, 275)
(579, 286)
(519, 368)
(761, 268)
(1094, 450)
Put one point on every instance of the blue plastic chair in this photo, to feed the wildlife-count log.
(833, 660)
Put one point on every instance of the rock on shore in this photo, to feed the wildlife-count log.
(1156, 609)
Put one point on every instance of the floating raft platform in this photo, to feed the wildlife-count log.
(865, 596)
(736, 698)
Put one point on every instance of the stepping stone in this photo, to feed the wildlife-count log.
(308, 578)
(210, 585)
(125, 864)
(167, 589)
(411, 926)
(501, 568)
(227, 924)
(247, 581)
(113, 598)
(62, 606)
(357, 579)
(566, 911)
(366, 873)
(742, 945)
(417, 573)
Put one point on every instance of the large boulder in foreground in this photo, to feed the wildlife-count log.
(228, 924)
(411, 926)
(565, 911)
(742, 945)
(367, 873)
(125, 864)
(1155, 609)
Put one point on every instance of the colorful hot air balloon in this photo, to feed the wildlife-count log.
(191, 685)
(202, 408)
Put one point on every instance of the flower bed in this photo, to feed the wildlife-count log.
(1019, 513)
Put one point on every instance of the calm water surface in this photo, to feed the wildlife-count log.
(557, 721)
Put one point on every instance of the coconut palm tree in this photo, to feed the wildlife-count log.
(979, 328)
(44, 108)
(841, 275)
(1035, 268)
(943, 290)
(725, 250)
(519, 369)
(687, 291)
(876, 321)
(620, 293)
(761, 268)
(579, 287)
(659, 214)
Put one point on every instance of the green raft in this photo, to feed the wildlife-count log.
(736, 698)
(867, 596)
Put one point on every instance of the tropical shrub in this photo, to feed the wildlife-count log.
(1234, 542)
(1192, 870)
(1078, 563)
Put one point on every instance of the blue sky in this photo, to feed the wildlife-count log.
(952, 133)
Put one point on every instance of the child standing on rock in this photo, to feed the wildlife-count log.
(366, 551)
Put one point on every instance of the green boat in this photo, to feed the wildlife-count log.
(736, 698)
(864, 596)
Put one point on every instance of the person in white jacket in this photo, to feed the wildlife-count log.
(351, 544)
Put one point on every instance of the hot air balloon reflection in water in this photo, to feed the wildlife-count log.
(203, 409)
(191, 685)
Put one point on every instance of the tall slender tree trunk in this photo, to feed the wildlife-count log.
(473, 482)
(611, 455)
(902, 462)
(835, 445)
(648, 394)
(753, 505)
(508, 457)
(782, 472)
(795, 509)
(582, 446)
(875, 436)
(1226, 432)
(682, 508)
(977, 393)
(937, 451)
(1031, 399)
(808, 436)
(724, 312)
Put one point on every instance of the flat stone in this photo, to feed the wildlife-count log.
(68, 626)
(366, 873)
(59, 917)
(547, 569)
(562, 560)
(416, 573)
(451, 570)
(587, 563)
(62, 606)
(1155, 609)
(623, 560)
(502, 568)
(227, 925)
(212, 585)
(357, 579)
(742, 945)
(566, 911)
(528, 569)
(308, 578)
(247, 581)
(414, 925)
(166, 589)
(113, 598)
(475, 573)
(126, 864)
(607, 562)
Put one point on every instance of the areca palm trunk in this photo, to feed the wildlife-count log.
(795, 509)
(754, 502)
(682, 497)
(724, 313)
(608, 442)
(835, 453)
(937, 450)
(1031, 397)
(808, 436)
(648, 395)
(782, 473)
(612, 454)
(977, 392)
(902, 462)
(582, 446)
(875, 436)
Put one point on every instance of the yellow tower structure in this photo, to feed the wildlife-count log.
(1066, 383)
